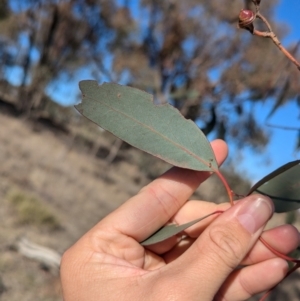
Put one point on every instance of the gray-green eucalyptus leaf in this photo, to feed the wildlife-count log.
(160, 130)
(282, 186)
(171, 230)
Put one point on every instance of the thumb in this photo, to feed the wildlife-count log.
(223, 245)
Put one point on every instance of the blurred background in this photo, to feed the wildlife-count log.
(60, 174)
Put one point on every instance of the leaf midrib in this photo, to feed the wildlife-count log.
(209, 165)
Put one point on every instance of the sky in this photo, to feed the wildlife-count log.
(288, 12)
(282, 146)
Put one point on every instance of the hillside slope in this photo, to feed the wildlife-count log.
(71, 189)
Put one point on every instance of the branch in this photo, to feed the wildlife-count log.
(246, 20)
(288, 128)
(273, 37)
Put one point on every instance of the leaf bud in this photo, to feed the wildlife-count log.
(246, 18)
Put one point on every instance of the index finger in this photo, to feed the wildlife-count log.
(157, 202)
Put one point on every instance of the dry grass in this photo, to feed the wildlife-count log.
(47, 184)
(31, 210)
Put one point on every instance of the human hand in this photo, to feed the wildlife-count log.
(108, 262)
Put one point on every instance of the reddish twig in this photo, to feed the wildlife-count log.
(227, 187)
(246, 19)
(273, 37)
(277, 253)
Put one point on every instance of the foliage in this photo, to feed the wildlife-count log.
(160, 130)
(283, 186)
(130, 115)
(188, 53)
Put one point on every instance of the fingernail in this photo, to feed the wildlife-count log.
(254, 213)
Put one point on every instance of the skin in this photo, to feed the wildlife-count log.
(108, 263)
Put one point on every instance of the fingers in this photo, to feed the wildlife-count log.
(160, 200)
(188, 212)
(249, 281)
(223, 245)
(195, 209)
(283, 239)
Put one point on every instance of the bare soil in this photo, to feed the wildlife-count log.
(78, 188)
